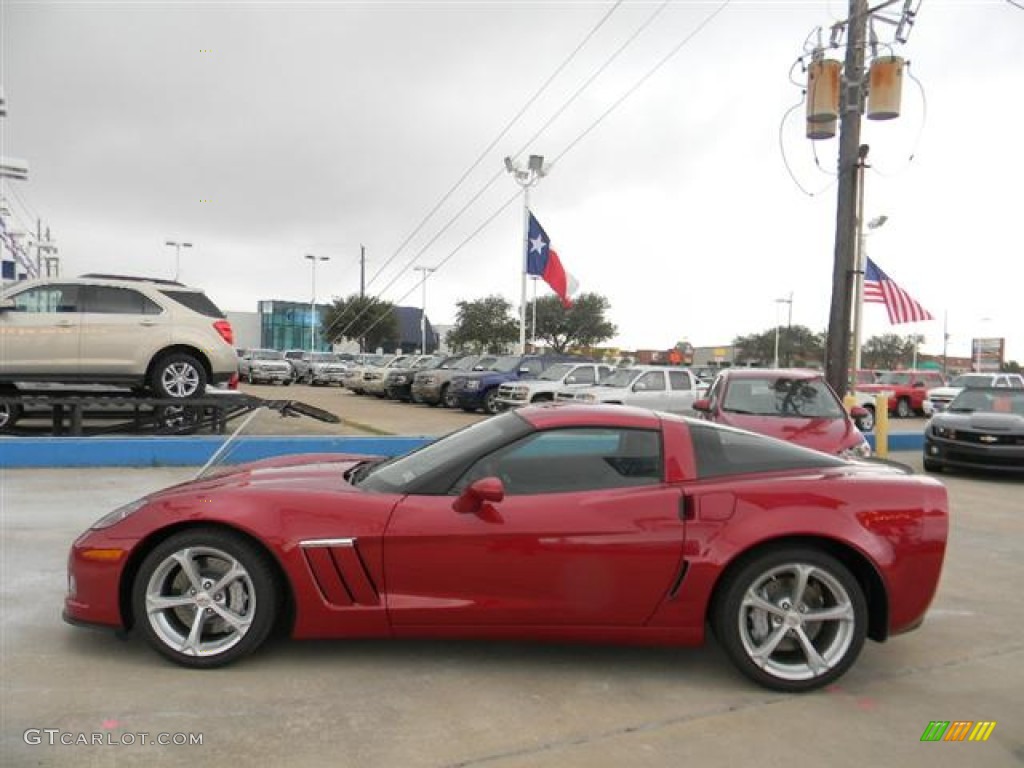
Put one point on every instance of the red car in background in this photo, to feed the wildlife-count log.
(907, 390)
(794, 405)
(604, 524)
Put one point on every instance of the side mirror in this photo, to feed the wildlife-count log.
(570, 379)
(703, 405)
(486, 489)
(639, 387)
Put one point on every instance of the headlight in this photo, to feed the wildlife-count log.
(472, 385)
(946, 432)
(586, 397)
(119, 514)
(860, 451)
(400, 380)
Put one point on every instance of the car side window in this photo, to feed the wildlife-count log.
(680, 380)
(652, 381)
(572, 460)
(47, 299)
(721, 452)
(583, 375)
(111, 300)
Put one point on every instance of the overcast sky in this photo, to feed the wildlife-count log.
(264, 131)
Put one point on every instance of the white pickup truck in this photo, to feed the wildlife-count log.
(567, 376)
(941, 397)
(647, 386)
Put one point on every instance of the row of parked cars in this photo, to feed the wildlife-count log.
(270, 366)
(796, 405)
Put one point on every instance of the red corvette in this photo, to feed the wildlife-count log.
(565, 523)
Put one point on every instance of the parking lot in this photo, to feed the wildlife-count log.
(465, 704)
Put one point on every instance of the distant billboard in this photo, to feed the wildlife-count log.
(987, 354)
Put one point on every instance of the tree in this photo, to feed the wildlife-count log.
(889, 351)
(367, 318)
(484, 325)
(799, 347)
(582, 325)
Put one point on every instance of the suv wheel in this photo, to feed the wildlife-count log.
(491, 402)
(178, 376)
(903, 409)
(9, 413)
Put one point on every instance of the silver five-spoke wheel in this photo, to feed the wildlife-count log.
(205, 597)
(792, 620)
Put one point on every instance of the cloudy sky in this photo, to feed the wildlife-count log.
(263, 131)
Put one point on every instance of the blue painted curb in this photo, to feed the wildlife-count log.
(18, 453)
(182, 451)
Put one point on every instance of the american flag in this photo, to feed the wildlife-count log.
(879, 288)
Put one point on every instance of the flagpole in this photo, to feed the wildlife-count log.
(526, 178)
(526, 254)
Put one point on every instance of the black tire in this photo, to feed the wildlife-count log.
(788, 664)
(491, 404)
(248, 378)
(9, 415)
(287, 382)
(903, 409)
(178, 376)
(252, 598)
(448, 398)
(867, 423)
(177, 420)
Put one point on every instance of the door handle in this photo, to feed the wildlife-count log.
(147, 322)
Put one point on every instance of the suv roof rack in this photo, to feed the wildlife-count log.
(132, 278)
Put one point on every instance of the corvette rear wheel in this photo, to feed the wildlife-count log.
(792, 620)
(205, 598)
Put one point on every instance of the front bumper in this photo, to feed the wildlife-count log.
(426, 393)
(957, 454)
(94, 577)
(257, 375)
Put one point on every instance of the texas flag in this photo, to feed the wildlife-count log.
(543, 261)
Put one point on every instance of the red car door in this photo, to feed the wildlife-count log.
(600, 546)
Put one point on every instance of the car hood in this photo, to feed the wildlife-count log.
(826, 435)
(305, 472)
(945, 391)
(984, 421)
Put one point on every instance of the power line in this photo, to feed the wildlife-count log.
(664, 60)
(501, 134)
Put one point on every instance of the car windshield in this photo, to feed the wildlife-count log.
(971, 380)
(505, 364)
(989, 401)
(426, 362)
(557, 372)
(783, 397)
(620, 378)
(394, 475)
(896, 378)
(267, 354)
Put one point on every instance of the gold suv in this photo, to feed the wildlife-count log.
(107, 329)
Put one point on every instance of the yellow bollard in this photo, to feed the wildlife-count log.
(882, 425)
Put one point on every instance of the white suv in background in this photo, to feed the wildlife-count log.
(941, 397)
(107, 329)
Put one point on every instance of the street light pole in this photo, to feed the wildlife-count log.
(423, 313)
(177, 256)
(858, 275)
(312, 302)
(525, 178)
(789, 324)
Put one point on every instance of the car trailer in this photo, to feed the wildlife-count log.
(84, 414)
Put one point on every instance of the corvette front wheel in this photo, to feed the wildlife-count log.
(792, 620)
(205, 597)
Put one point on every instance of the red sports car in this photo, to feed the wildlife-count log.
(565, 523)
(795, 405)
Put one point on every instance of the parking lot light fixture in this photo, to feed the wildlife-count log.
(312, 302)
(177, 256)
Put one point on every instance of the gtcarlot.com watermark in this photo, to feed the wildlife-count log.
(56, 737)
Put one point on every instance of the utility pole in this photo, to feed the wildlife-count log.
(837, 346)
(362, 271)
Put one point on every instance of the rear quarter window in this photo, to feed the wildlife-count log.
(196, 301)
(721, 452)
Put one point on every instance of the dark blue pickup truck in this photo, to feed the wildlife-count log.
(473, 391)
